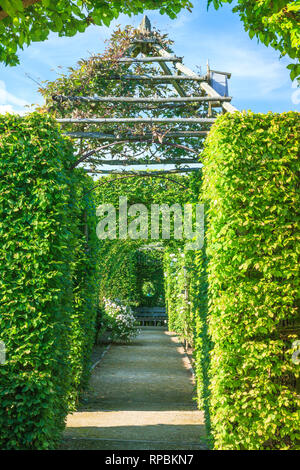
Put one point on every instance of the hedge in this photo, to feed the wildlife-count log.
(251, 182)
(42, 261)
(202, 344)
(235, 301)
(85, 282)
(187, 303)
(177, 307)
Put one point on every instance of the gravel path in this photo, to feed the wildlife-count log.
(140, 397)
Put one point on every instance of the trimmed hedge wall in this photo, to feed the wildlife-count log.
(85, 282)
(175, 286)
(251, 181)
(240, 312)
(187, 302)
(202, 344)
(42, 261)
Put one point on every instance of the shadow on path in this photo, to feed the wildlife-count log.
(140, 397)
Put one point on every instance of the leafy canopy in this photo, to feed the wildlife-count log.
(275, 23)
(32, 20)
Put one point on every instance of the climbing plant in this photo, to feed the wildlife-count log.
(100, 75)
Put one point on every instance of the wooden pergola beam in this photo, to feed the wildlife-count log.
(130, 60)
(204, 85)
(221, 73)
(138, 120)
(163, 161)
(140, 172)
(84, 156)
(162, 78)
(145, 41)
(181, 92)
(133, 99)
(152, 174)
(133, 138)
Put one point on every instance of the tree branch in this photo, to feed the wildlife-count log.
(92, 152)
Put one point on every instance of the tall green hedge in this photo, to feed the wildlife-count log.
(236, 300)
(175, 285)
(42, 262)
(202, 344)
(187, 302)
(251, 182)
(85, 271)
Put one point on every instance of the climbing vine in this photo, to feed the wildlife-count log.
(102, 75)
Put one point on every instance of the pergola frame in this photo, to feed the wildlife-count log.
(162, 57)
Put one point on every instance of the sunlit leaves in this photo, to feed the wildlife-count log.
(48, 281)
(251, 178)
(25, 25)
(275, 24)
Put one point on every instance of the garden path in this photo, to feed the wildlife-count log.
(140, 397)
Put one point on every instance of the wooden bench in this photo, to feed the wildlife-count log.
(151, 316)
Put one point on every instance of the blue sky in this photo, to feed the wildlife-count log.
(260, 81)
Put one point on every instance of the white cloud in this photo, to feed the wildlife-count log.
(10, 103)
(256, 71)
(182, 20)
(6, 108)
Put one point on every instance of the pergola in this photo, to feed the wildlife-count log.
(147, 48)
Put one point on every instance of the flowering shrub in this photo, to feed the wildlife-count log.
(119, 321)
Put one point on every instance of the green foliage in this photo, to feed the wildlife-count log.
(150, 278)
(124, 269)
(118, 272)
(42, 263)
(36, 284)
(85, 281)
(274, 23)
(202, 344)
(175, 291)
(236, 300)
(98, 75)
(251, 172)
(34, 23)
(187, 303)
